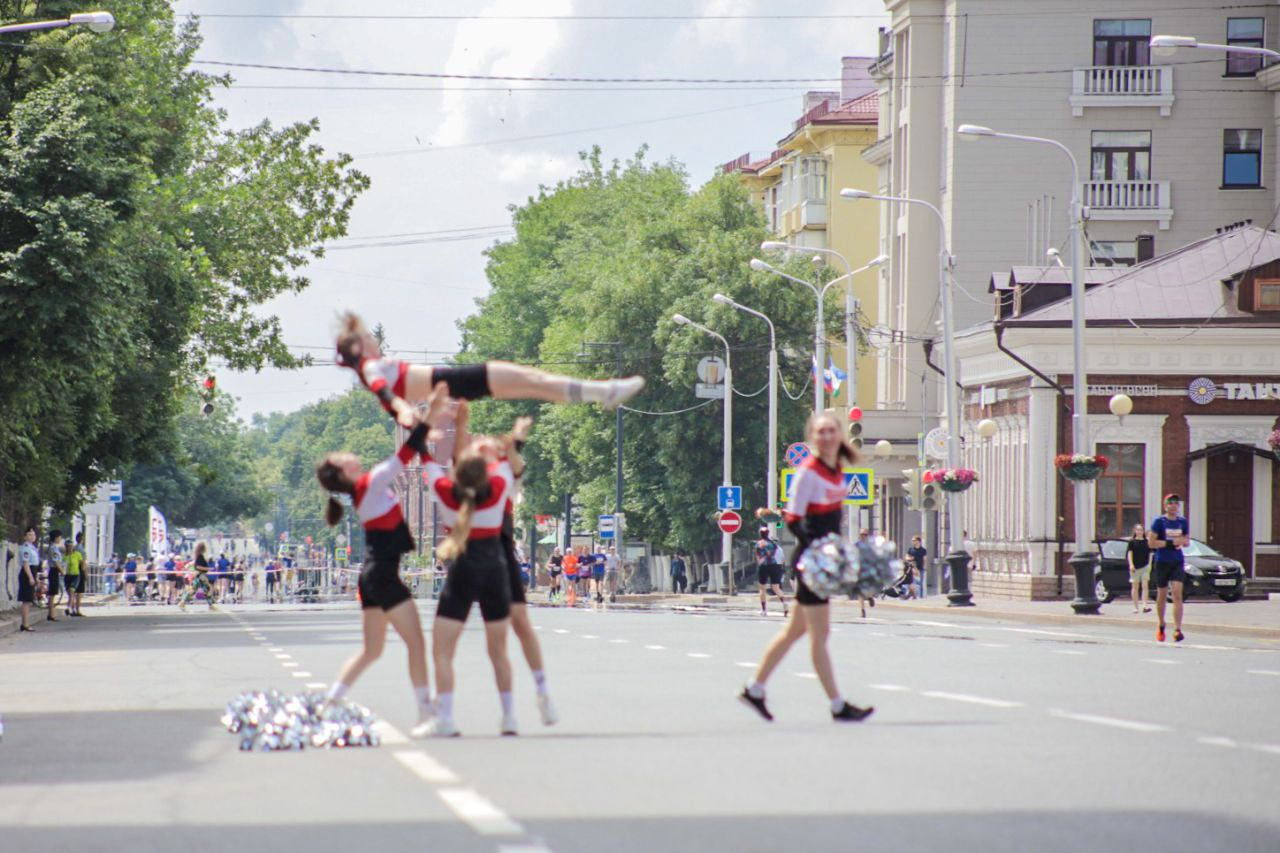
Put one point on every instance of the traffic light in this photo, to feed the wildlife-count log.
(929, 492)
(207, 390)
(855, 427)
(921, 495)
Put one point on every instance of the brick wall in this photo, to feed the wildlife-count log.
(1021, 587)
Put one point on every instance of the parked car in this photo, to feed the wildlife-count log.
(1208, 572)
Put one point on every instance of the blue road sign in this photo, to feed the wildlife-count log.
(797, 453)
(605, 527)
(729, 497)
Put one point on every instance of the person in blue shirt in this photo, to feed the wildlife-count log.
(1167, 536)
(28, 576)
(224, 576)
(167, 576)
(597, 573)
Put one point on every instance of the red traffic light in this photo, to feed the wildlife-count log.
(210, 383)
(855, 414)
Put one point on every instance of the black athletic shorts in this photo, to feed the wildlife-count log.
(26, 591)
(804, 595)
(75, 583)
(769, 574)
(1168, 572)
(55, 582)
(380, 585)
(479, 576)
(465, 381)
(513, 568)
(179, 581)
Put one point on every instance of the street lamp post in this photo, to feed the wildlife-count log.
(957, 557)
(771, 475)
(1085, 559)
(1168, 44)
(726, 476)
(98, 22)
(618, 517)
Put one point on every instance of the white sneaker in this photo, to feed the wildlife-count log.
(423, 728)
(622, 390)
(547, 710)
(440, 727)
(509, 727)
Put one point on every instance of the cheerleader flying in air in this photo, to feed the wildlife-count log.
(384, 599)
(814, 511)
(521, 625)
(399, 385)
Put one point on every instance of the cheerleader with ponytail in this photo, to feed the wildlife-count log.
(384, 599)
(395, 382)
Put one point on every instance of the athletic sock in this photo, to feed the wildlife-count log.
(592, 390)
(338, 691)
(444, 706)
(837, 704)
(755, 689)
(423, 695)
(573, 390)
(540, 681)
(508, 702)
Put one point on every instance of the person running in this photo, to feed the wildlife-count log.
(76, 570)
(199, 580)
(179, 577)
(571, 577)
(598, 561)
(399, 385)
(817, 497)
(555, 568)
(384, 598)
(521, 625)
(769, 559)
(1168, 535)
(472, 501)
(130, 577)
(56, 563)
(1138, 556)
(28, 576)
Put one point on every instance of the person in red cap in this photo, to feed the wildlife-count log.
(1167, 536)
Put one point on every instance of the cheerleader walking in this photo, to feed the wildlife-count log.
(384, 599)
(472, 501)
(398, 384)
(813, 511)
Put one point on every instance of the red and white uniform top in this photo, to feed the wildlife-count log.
(486, 522)
(377, 506)
(382, 374)
(818, 490)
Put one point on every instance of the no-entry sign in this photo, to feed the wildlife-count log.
(730, 522)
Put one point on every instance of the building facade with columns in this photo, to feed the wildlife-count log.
(1193, 338)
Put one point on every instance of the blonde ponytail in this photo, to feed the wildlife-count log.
(471, 474)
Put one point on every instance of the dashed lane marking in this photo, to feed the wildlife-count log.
(1271, 748)
(972, 700)
(1113, 722)
(283, 657)
(562, 630)
(316, 685)
(1164, 661)
(893, 688)
(288, 663)
(1217, 741)
(698, 655)
(746, 664)
(994, 645)
(1067, 652)
(301, 674)
(275, 649)
(1263, 671)
(478, 813)
(619, 642)
(656, 648)
(937, 624)
(390, 735)
(427, 768)
(590, 636)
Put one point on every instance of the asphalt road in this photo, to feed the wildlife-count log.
(989, 736)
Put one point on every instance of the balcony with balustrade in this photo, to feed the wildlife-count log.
(1129, 201)
(1122, 86)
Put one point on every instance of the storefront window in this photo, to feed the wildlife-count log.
(1120, 490)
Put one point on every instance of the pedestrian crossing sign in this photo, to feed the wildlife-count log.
(859, 483)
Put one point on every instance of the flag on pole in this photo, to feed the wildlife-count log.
(159, 532)
(832, 378)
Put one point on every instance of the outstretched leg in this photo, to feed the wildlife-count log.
(504, 380)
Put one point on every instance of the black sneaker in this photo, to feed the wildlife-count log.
(757, 704)
(851, 714)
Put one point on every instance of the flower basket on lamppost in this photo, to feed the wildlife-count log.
(952, 479)
(768, 515)
(1274, 441)
(1080, 467)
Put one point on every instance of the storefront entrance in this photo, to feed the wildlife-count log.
(1229, 525)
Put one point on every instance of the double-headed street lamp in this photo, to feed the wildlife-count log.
(98, 22)
(726, 478)
(1085, 559)
(819, 330)
(771, 476)
(957, 557)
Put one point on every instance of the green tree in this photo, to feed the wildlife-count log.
(137, 240)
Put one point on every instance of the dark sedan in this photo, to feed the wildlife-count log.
(1208, 572)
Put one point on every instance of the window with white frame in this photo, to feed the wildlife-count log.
(813, 175)
(1242, 158)
(1246, 32)
(1120, 490)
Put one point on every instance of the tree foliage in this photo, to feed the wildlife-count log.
(608, 256)
(138, 237)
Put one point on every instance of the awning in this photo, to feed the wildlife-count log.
(1226, 447)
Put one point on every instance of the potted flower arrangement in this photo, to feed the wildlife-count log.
(768, 515)
(952, 479)
(1080, 466)
(1274, 441)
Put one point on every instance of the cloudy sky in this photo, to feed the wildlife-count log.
(448, 157)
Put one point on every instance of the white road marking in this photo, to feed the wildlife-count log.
(876, 634)
(746, 664)
(275, 649)
(1210, 648)
(480, 814)
(427, 768)
(619, 642)
(1041, 632)
(937, 624)
(1217, 741)
(656, 648)
(561, 631)
(316, 685)
(697, 655)
(1114, 722)
(283, 657)
(1263, 671)
(1067, 652)
(994, 645)
(301, 674)
(926, 637)
(590, 637)
(972, 700)
(895, 688)
(807, 674)
(1266, 747)
(537, 627)
(288, 663)
(390, 735)
(1164, 661)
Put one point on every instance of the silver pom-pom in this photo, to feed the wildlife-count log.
(878, 566)
(273, 721)
(828, 565)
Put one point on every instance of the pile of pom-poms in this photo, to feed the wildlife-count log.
(273, 721)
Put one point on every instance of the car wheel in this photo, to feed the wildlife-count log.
(1101, 592)
(1232, 596)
